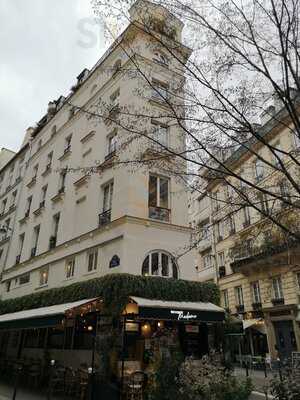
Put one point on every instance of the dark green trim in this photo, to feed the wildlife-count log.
(42, 322)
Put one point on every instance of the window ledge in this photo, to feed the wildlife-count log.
(58, 197)
(42, 287)
(31, 183)
(87, 137)
(90, 272)
(82, 181)
(38, 211)
(65, 155)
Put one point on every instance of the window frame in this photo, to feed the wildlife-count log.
(172, 265)
(255, 292)
(70, 268)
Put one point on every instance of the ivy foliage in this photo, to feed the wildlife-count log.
(114, 290)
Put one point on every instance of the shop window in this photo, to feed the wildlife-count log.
(55, 338)
(160, 264)
(31, 338)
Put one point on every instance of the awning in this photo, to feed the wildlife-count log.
(257, 324)
(37, 317)
(179, 310)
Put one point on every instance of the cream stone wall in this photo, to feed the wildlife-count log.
(131, 235)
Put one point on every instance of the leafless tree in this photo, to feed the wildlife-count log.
(235, 85)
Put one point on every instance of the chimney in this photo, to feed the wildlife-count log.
(28, 136)
(51, 109)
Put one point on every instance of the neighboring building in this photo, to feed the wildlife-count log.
(11, 186)
(256, 268)
(73, 222)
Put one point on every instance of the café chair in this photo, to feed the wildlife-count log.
(136, 385)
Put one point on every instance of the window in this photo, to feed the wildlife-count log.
(21, 244)
(68, 140)
(35, 171)
(8, 286)
(159, 263)
(264, 204)
(43, 195)
(3, 206)
(277, 288)
(239, 299)
(28, 206)
(255, 292)
(112, 143)
(117, 66)
(158, 191)
(20, 169)
(114, 98)
(24, 279)
(92, 260)
(160, 58)
(159, 90)
(284, 192)
(246, 216)
(221, 259)
(44, 274)
(108, 190)
(70, 268)
(53, 130)
(259, 169)
(62, 181)
(49, 160)
(207, 261)
(231, 224)
(39, 145)
(220, 230)
(225, 298)
(13, 198)
(56, 219)
(204, 229)
(298, 279)
(36, 233)
(160, 134)
(215, 200)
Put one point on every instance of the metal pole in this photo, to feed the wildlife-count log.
(92, 373)
(122, 359)
(19, 370)
(52, 364)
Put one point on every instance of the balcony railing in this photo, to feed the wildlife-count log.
(240, 308)
(278, 302)
(105, 218)
(110, 155)
(160, 213)
(256, 306)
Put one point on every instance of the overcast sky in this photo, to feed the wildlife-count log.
(44, 45)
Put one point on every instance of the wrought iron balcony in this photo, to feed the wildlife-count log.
(240, 308)
(256, 306)
(278, 302)
(160, 213)
(105, 218)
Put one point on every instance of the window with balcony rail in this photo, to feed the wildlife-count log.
(158, 198)
(225, 298)
(160, 263)
(255, 289)
(277, 289)
(24, 279)
(107, 193)
(111, 144)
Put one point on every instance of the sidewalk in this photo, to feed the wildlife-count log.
(6, 393)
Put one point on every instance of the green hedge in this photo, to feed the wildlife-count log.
(115, 289)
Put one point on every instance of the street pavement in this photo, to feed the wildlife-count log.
(258, 379)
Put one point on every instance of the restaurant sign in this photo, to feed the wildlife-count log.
(183, 316)
(180, 315)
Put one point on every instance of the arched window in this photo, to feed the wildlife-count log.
(160, 263)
